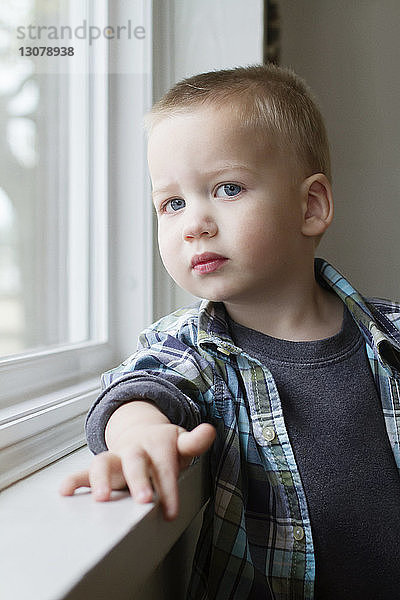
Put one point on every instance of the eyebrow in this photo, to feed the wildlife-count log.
(213, 173)
(230, 167)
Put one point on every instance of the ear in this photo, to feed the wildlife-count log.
(317, 205)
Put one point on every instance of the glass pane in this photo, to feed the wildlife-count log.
(44, 189)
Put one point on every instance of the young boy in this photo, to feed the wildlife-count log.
(293, 372)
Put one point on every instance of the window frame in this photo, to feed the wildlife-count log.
(48, 391)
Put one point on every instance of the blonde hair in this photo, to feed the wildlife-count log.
(271, 100)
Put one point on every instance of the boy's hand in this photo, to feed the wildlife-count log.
(145, 456)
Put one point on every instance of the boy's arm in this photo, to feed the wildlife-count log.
(164, 392)
(145, 451)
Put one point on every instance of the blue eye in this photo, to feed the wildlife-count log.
(228, 190)
(174, 205)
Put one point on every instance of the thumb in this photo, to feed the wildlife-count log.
(195, 442)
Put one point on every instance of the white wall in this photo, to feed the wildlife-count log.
(349, 52)
(213, 35)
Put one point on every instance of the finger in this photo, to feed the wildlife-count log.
(101, 472)
(165, 480)
(137, 476)
(195, 442)
(73, 482)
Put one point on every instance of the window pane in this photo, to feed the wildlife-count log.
(46, 212)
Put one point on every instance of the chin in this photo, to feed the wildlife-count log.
(215, 291)
(212, 295)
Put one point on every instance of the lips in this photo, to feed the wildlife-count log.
(207, 262)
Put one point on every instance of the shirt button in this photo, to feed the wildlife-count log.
(269, 433)
(298, 533)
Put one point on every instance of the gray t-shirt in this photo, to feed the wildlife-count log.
(335, 423)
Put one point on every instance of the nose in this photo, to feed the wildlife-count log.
(199, 223)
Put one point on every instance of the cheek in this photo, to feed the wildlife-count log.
(163, 245)
(255, 235)
(269, 230)
(169, 250)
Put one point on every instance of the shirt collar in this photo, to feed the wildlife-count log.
(379, 332)
(214, 329)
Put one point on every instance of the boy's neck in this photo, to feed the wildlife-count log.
(302, 311)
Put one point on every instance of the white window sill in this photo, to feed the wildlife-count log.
(39, 430)
(55, 548)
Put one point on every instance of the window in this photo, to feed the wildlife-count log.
(63, 292)
(53, 183)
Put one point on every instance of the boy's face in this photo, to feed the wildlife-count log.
(229, 208)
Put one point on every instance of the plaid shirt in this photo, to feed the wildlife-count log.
(256, 540)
